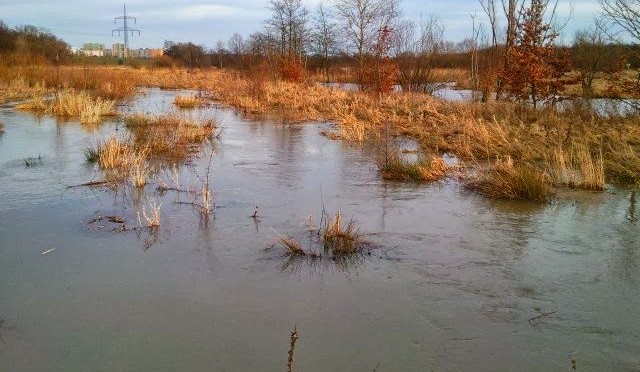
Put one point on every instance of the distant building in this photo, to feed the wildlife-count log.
(145, 53)
(93, 50)
(118, 50)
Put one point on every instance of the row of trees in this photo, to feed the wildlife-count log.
(28, 44)
(519, 59)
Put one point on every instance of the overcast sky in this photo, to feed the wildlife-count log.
(207, 21)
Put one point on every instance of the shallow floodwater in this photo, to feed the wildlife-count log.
(452, 282)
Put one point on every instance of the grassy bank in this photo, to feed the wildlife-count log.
(575, 147)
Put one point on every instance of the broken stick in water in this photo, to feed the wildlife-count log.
(535, 318)
(89, 184)
(292, 348)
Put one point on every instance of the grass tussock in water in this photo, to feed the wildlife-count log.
(1, 129)
(152, 141)
(73, 104)
(150, 219)
(292, 246)
(187, 102)
(340, 238)
(397, 168)
(506, 180)
(170, 138)
(334, 239)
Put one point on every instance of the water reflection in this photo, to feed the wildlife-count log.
(454, 280)
(631, 212)
(322, 264)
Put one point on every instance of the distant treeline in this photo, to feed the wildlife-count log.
(33, 44)
(192, 55)
(30, 44)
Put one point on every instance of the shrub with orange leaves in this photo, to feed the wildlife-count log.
(292, 68)
(535, 68)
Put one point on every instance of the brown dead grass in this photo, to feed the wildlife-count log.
(169, 138)
(187, 102)
(505, 180)
(152, 142)
(109, 83)
(72, 104)
(474, 132)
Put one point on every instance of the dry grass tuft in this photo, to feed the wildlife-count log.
(115, 154)
(398, 168)
(72, 104)
(340, 239)
(290, 244)
(334, 238)
(170, 138)
(504, 180)
(577, 169)
(151, 220)
(153, 141)
(140, 168)
(187, 101)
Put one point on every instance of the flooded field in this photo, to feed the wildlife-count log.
(451, 282)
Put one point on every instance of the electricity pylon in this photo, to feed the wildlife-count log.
(125, 30)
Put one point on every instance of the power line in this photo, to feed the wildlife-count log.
(125, 30)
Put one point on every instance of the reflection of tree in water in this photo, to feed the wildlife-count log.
(627, 258)
(631, 212)
(515, 223)
(288, 140)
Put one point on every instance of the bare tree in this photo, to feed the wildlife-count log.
(490, 10)
(289, 23)
(220, 52)
(591, 55)
(362, 21)
(324, 36)
(237, 48)
(415, 47)
(235, 44)
(625, 14)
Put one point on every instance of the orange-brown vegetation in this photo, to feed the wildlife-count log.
(475, 132)
(72, 104)
(152, 141)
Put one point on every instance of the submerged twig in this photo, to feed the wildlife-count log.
(2, 321)
(535, 318)
(292, 348)
(89, 184)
